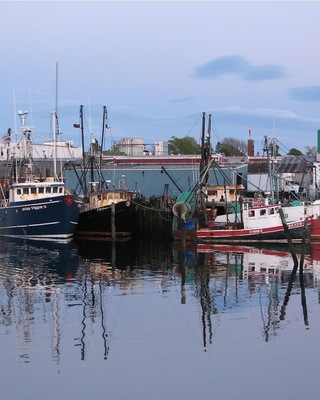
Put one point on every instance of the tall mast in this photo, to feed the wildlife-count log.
(202, 161)
(104, 125)
(57, 77)
(54, 132)
(83, 151)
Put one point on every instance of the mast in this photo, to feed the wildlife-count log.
(56, 106)
(205, 149)
(26, 139)
(55, 128)
(54, 132)
(104, 125)
(270, 147)
(83, 151)
(202, 161)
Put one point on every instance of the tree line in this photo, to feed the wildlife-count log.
(228, 146)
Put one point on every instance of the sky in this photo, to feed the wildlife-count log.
(158, 65)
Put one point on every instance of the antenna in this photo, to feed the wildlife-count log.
(57, 78)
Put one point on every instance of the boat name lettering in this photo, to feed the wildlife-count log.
(254, 231)
(34, 208)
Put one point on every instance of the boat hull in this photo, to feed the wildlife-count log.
(275, 234)
(315, 230)
(54, 218)
(99, 222)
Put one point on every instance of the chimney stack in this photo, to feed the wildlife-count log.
(250, 145)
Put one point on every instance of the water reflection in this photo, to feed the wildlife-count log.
(65, 295)
(228, 277)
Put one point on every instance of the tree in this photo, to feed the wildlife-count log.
(186, 145)
(232, 147)
(294, 152)
(114, 151)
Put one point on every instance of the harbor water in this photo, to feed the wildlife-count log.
(152, 320)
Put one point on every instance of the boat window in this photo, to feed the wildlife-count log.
(263, 211)
(33, 190)
(41, 190)
(25, 190)
(212, 192)
(18, 191)
(55, 189)
(251, 213)
(231, 191)
(48, 189)
(60, 189)
(271, 211)
(99, 197)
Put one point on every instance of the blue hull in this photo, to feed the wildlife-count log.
(55, 218)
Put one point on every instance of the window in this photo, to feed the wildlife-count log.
(55, 189)
(271, 211)
(25, 190)
(251, 213)
(48, 189)
(41, 190)
(18, 191)
(263, 211)
(33, 190)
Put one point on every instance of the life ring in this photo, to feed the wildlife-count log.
(128, 203)
(68, 200)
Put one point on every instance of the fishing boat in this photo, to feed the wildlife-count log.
(257, 222)
(31, 205)
(108, 212)
(244, 220)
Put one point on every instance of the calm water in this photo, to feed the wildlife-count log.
(146, 321)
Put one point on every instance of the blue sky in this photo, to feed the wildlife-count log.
(157, 65)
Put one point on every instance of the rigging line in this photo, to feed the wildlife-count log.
(216, 134)
(200, 116)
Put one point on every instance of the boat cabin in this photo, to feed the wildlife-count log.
(106, 198)
(35, 190)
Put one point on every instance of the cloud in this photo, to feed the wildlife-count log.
(221, 66)
(239, 67)
(264, 73)
(307, 93)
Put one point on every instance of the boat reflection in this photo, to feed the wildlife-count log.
(228, 278)
(69, 290)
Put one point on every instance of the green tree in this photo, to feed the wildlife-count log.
(114, 151)
(294, 152)
(186, 145)
(232, 147)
